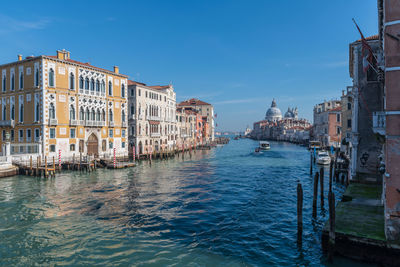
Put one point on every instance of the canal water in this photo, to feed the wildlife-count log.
(222, 207)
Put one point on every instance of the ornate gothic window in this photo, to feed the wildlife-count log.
(81, 114)
(87, 84)
(110, 115)
(97, 86)
(92, 85)
(80, 82)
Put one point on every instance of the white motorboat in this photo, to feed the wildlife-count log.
(323, 158)
(264, 145)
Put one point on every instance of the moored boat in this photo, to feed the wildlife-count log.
(323, 158)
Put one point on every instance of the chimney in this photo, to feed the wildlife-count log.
(19, 57)
(68, 55)
(60, 54)
(116, 69)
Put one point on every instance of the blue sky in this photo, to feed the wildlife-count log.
(236, 55)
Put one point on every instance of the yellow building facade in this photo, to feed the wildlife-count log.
(53, 104)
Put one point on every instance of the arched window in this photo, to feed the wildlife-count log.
(71, 81)
(103, 87)
(12, 112)
(103, 115)
(87, 84)
(21, 112)
(80, 82)
(97, 86)
(51, 77)
(71, 112)
(37, 77)
(92, 85)
(110, 115)
(109, 88)
(81, 114)
(98, 115)
(21, 80)
(4, 83)
(12, 82)
(52, 111)
(37, 111)
(87, 114)
(123, 90)
(93, 115)
(123, 116)
(4, 113)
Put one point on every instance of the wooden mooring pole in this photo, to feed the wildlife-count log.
(330, 176)
(299, 214)
(331, 242)
(321, 178)
(311, 163)
(314, 212)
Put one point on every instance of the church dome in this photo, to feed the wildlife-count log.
(273, 113)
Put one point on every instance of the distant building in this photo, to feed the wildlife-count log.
(205, 110)
(327, 123)
(347, 113)
(274, 127)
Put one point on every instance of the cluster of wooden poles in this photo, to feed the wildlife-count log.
(318, 178)
(177, 152)
(40, 169)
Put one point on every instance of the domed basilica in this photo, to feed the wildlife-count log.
(273, 113)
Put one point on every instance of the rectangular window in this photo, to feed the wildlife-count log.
(349, 106)
(349, 123)
(72, 147)
(123, 144)
(140, 92)
(338, 117)
(338, 130)
(52, 148)
(28, 135)
(110, 133)
(123, 133)
(72, 133)
(104, 145)
(21, 135)
(81, 142)
(110, 144)
(52, 133)
(37, 134)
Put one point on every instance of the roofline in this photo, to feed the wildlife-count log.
(149, 88)
(86, 66)
(64, 61)
(21, 61)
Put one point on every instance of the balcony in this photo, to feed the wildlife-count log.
(81, 122)
(53, 122)
(379, 122)
(155, 134)
(89, 123)
(111, 123)
(7, 123)
(73, 122)
(153, 118)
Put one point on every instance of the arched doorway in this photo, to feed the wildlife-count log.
(140, 148)
(156, 146)
(93, 145)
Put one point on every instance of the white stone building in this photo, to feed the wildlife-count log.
(152, 117)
